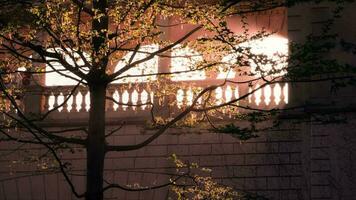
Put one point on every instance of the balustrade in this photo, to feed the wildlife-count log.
(138, 98)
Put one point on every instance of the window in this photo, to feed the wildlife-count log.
(142, 72)
(185, 59)
(275, 50)
(53, 78)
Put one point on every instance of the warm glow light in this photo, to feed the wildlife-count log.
(275, 50)
(58, 78)
(22, 69)
(225, 71)
(146, 68)
(185, 59)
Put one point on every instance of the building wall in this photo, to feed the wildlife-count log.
(328, 157)
(269, 165)
(298, 161)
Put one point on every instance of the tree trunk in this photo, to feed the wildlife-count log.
(96, 143)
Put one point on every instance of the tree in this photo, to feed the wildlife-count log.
(87, 37)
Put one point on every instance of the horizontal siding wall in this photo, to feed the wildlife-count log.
(268, 165)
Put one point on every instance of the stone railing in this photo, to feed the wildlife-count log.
(138, 99)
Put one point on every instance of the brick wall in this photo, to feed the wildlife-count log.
(269, 165)
(303, 161)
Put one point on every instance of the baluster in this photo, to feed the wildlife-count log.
(154, 100)
(277, 91)
(139, 100)
(144, 99)
(121, 95)
(65, 105)
(87, 101)
(180, 98)
(282, 94)
(272, 104)
(190, 96)
(223, 97)
(60, 100)
(79, 101)
(267, 94)
(250, 96)
(74, 102)
(116, 97)
(46, 102)
(256, 99)
(185, 97)
(286, 93)
(262, 98)
(218, 95)
(129, 99)
(228, 93)
(82, 105)
(134, 99)
(125, 99)
(55, 103)
(51, 101)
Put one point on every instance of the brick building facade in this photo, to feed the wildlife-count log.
(296, 161)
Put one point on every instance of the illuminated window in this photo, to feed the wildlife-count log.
(142, 72)
(270, 57)
(186, 59)
(53, 78)
(226, 71)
